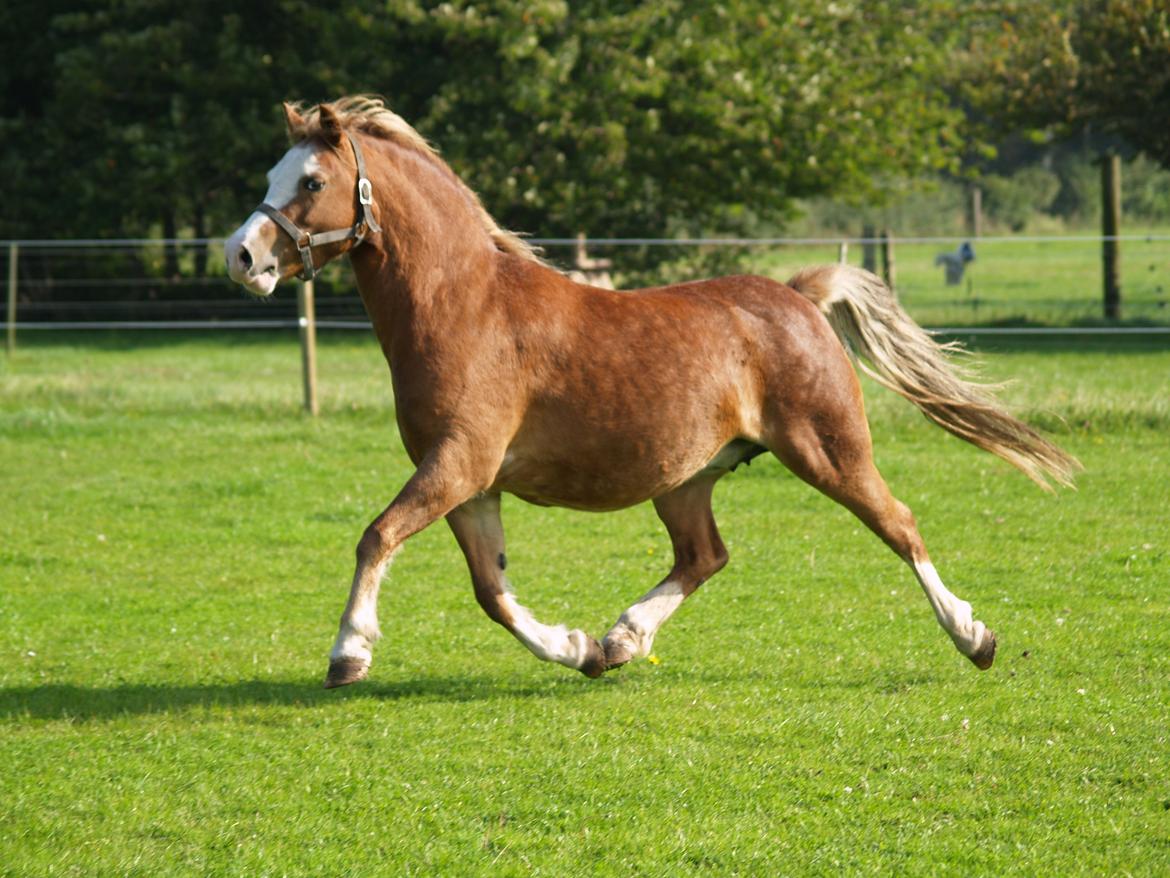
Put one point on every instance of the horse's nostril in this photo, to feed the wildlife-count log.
(245, 258)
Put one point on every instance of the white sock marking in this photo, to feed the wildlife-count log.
(953, 613)
(359, 627)
(553, 643)
(638, 625)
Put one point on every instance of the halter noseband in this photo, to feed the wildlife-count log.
(305, 242)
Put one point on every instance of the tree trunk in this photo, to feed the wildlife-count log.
(868, 248)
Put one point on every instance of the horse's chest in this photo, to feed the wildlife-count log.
(420, 424)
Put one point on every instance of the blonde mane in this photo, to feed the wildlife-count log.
(371, 115)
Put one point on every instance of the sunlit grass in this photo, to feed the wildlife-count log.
(1012, 281)
(178, 539)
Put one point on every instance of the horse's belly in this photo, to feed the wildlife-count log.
(560, 483)
(554, 478)
(612, 433)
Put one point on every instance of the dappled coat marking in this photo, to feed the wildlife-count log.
(510, 377)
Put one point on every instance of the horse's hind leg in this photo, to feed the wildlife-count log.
(698, 555)
(480, 533)
(831, 450)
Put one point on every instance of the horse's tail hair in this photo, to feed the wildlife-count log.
(903, 357)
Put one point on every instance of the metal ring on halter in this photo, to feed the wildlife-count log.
(363, 225)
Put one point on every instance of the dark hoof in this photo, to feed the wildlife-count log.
(595, 664)
(986, 654)
(616, 655)
(344, 671)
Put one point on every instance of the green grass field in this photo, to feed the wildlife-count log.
(1020, 281)
(177, 545)
(1053, 282)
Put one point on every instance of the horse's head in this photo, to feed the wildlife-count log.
(319, 205)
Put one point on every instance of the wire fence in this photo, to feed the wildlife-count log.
(992, 283)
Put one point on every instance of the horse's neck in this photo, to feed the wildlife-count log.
(433, 263)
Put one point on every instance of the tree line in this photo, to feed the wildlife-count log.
(159, 118)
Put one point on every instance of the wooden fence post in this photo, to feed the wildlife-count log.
(868, 249)
(307, 320)
(1110, 229)
(889, 275)
(975, 219)
(13, 255)
(843, 252)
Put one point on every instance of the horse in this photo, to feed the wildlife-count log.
(509, 377)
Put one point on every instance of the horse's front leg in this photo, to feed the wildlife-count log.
(477, 527)
(444, 479)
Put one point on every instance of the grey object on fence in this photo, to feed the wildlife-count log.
(955, 262)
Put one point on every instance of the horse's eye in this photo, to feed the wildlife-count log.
(313, 184)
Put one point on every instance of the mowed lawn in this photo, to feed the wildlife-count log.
(177, 546)
(1012, 280)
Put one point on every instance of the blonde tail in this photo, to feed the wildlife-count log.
(868, 320)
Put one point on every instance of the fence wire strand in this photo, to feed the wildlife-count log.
(1013, 284)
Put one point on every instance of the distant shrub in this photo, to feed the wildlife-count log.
(1013, 201)
(1058, 190)
(1145, 191)
(1079, 200)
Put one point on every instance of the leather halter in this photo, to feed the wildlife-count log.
(305, 241)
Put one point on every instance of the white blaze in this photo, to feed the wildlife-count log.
(259, 233)
(285, 177)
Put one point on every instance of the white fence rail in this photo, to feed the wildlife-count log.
(180, 284)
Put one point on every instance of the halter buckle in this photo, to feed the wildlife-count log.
(365, 191)
(310, 270)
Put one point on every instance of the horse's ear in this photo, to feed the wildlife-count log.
(330, 125)
(294, 121)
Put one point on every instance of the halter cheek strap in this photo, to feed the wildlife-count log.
(363, 225)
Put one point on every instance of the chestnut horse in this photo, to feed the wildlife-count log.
(509, 376)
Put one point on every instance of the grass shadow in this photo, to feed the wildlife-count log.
(895, 680)
(1069, 341)
(57, 701)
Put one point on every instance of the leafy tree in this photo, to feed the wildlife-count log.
(649, 118)
(605, 115)
(152, 115)
(1076, 65)
(1013, 200)
(1123, 72)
